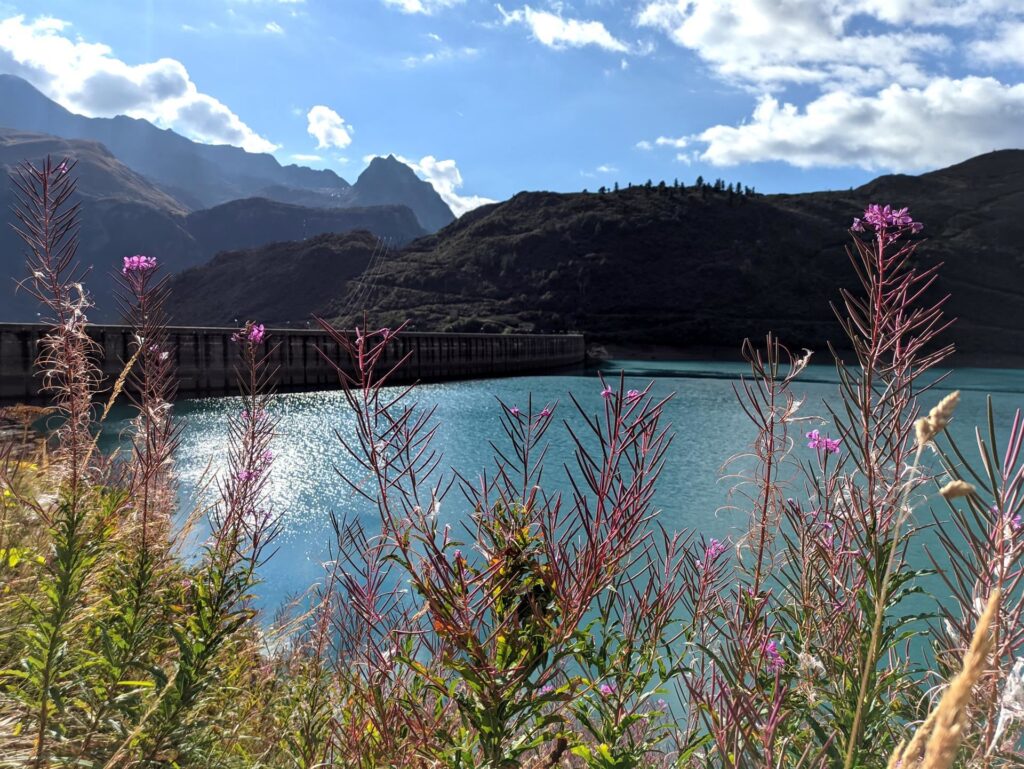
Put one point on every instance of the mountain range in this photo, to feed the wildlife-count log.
(652, 267)
(147, 190)
(205, 175)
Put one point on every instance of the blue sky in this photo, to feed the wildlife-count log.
(488, 99)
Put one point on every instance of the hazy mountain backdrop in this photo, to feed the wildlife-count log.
(147, 190)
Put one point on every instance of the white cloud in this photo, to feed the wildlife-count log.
(88, 79)
(899, 128)
(302, 158)
(426, 7)
(803, 41)
(441, 55)
(667, 141)
(604, 168)
(664, 141)
(1007, 47)
(552, 30)
(955, 13)
(872, 78)
(328, 128)
(833, 43)
(445, 177)
(274, 28)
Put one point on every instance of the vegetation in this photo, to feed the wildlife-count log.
(553, 630)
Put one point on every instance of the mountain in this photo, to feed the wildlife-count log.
(275, 283)
(256, 221)
(123, 213)
(205, 175)
(99, 173)
(388, 180)
(684, 268)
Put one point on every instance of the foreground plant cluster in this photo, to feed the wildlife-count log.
(552, 629)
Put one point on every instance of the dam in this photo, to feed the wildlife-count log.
(205, 358)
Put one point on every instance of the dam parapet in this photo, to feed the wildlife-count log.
(205, 358)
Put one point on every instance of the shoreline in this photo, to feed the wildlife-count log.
(596, 353)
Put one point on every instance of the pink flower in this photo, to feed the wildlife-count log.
(250, 332)
(633, 396)
(138, 263)
(1014, 520)
(514, 411)
(267, 456)
(770, 652)
(816, 440)
(607, 393)
(606, 690)
(889, 222)
(713, 550)
(545, 412)
(545, 690)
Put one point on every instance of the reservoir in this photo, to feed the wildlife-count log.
(708, 424)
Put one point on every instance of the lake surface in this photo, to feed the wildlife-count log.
(708, 424)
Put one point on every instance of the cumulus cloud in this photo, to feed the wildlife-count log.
(88, 79)
(300, 157)
(954, 13)
(328, 128)
(426, 7)
(446, 179)
(1007, 47)
(273, 28)
(556, 32)
(899, 128)
(872, 78)
(808, 42)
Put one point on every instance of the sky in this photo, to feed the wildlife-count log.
(487, 99)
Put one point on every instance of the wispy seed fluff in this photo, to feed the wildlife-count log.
(955, 489)
(933, 424)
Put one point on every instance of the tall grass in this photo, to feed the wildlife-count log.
(551, 629)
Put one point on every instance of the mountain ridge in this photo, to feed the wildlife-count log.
(688, 268)
(205, 175)
(124, 213)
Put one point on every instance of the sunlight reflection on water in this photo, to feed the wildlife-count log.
(306, 486)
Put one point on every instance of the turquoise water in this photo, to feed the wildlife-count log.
(708, 425)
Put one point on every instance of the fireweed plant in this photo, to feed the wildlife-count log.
(113, 651)
(548, 629)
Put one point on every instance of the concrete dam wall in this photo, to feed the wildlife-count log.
(206, 357)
